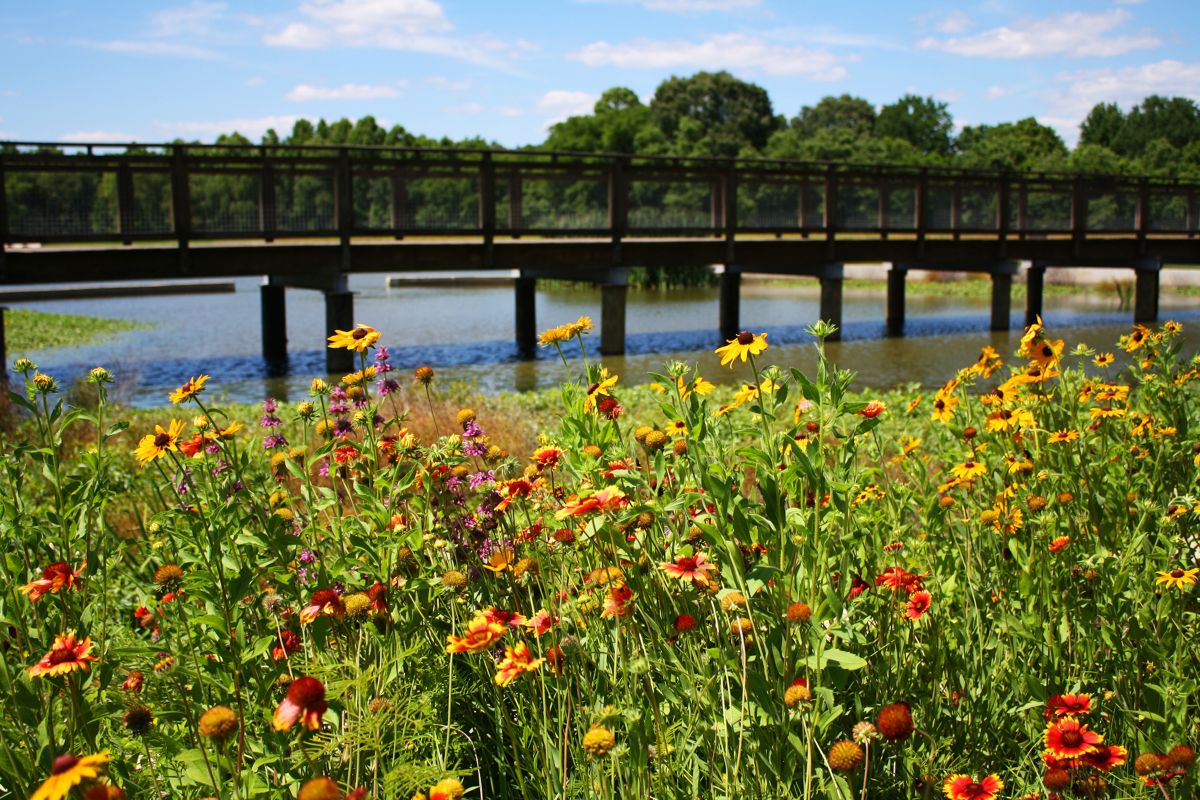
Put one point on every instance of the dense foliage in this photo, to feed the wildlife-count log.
(798, 592)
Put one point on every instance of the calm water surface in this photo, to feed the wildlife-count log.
(467, 334)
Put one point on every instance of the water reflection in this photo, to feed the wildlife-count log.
(467, 334)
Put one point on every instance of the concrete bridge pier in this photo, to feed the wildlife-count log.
(526, 314)
(614, 291)
(1002, 281)
(1145, 297)
(831, 276)
(729, 312)
(897, 274)
(339, 315)
(274, 325)
(1035, 290)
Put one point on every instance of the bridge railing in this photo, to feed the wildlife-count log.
(182, 193)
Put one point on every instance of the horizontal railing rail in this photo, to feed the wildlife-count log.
(62, 192)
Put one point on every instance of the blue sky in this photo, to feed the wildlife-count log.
(153, 70)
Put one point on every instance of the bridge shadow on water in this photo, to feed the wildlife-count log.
(497, 364)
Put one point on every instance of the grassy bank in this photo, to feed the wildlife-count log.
(27, 330)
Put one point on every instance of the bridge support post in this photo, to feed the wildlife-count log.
(1002, 280)
(729, 312)
(613, 294)
(831, 296)
(274, 325)
(1145, 298)
(895, 299)
(1035, 289)
(339, 315)
(526, 297)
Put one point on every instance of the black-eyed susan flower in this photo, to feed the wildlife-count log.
(1178, 578)
(743, 345)
(304, 703)
(968, 470)
(190, 388)
(158, 444)
(1063, 436)
(66, 655)
(599, 388)
(69, 771)
(1103, 359)
(965, 787)
(359, 338)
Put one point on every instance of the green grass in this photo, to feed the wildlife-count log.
(27, 330)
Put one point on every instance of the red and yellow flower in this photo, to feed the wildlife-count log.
(56, 577)
(689, 568)
(304, 703)
(1069, 738)
(482, 632)
(964, 787)
(66, 655)
(517, 661)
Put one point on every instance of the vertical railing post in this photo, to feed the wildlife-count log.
(1142, 216)
(1002, 211)
(618, 198)
(1078, 215)
(487, 202)
(399, 203)
(181, 198)
(729, 206)
(125, 209)
(3, 213)
(716, 202)
(884, 198)
(343, 198)
(1023, 210)
(268, 217)
(831, 202)
(956, 211)
(1192, 223)
(921, 209)
(516, 202)
(803, 209)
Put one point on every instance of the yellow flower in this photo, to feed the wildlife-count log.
(579, 326)
(68, 772)
(1178, 578)
(599, 388)
(158, 444)
(969, 470)
(359, 339)
(553, 336)
(190, 389)
(744, 344)
(1103, 359)
(1059, 437)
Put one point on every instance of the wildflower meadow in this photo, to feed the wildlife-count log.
(789, 590)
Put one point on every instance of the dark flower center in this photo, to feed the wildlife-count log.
(745, 337)
(61, 655)
(63, 763)
(1177, 573)
(593, 388)
(359, 333)
(969, 464)
(1072, 738)
(162, 440)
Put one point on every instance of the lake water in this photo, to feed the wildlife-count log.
(467, 334)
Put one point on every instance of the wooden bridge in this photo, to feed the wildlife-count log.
(310, 216)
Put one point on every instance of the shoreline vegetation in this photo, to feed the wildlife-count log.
(28, 330)
(782, 589)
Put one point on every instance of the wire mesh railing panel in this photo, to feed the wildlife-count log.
(225, 203)
(551, 203)
(441, 204)
(666, 205)
(900, 209)
(151, 204)
(1111, 211)
(59, 205)
(1168, 212)
(304, 202)
(977, 207)
(1045, 210)
(779, 206)
(939, 207)
(858, 206)
(373, 197)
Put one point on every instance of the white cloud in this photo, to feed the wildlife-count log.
(447, 85)
(954, 22)
(151, 48)
(417, 26)
(98, 136)
(1078, 34)
(994, 92)
(250, 127)
(509, 111)
(255, 81)
(562, 103)
(1081, 90)
(722, 51)
(303, 93)
(466, 108)
(194, 20)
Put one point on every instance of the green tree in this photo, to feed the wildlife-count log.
(1176, 119)
(1025, 145)
(923, 122)
(853, 115)
(732, 115)
(1102, 125)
